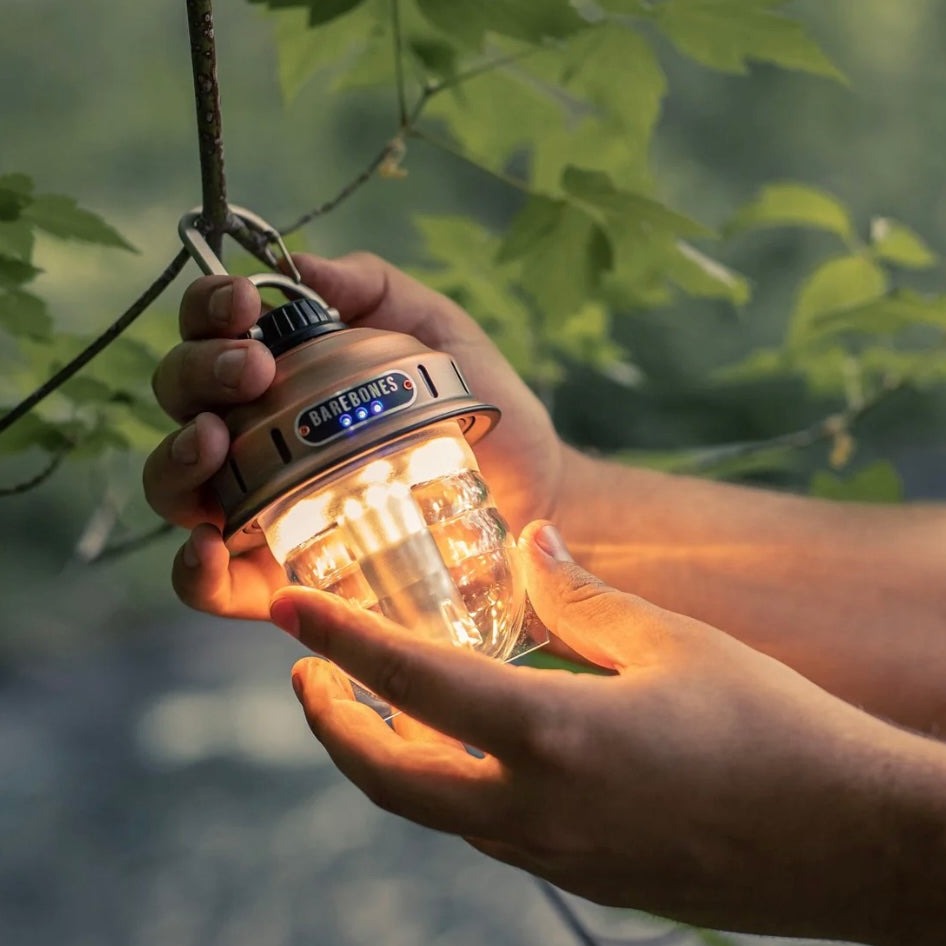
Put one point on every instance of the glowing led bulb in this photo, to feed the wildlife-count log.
(410, 531)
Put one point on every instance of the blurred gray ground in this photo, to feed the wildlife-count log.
(165, 791)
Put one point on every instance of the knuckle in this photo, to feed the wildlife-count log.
(581, 587)
(394, 681)
(552, 734)
(365, 258)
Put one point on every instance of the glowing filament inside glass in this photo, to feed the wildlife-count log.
(412, 533)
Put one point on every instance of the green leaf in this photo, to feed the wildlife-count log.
(628, 7)
(526, 20)
(16, 272)
(534, 222)
(759, 364)
(884, 316)
(352, 49)
(925, 367)
(878, 483)
(585, 337)
(839, 284)
(16, 240)
(726, 34)
(147, 413)
(647, 217)
(32, 431)
(95, 442)
(793, 205)
(15, 193)
(436, 58)
(318, 11)
(619, 85)
(125, 364)
(62, 217)
(466, 270)
(700, 275)
(898, 244)
(500, 114)
(85, 390)
(722, 461)
(23, 314)
(564, 253)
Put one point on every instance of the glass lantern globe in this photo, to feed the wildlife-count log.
(410, 531)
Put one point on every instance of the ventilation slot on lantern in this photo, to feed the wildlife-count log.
(460, 377)
(281, 444)
(237, 475)
(427, 380)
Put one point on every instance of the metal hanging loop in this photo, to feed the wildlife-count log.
(209, 263)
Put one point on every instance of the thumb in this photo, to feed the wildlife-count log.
(600, 623)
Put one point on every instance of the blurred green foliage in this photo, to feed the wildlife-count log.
(695, 226)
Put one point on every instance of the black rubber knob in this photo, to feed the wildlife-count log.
(293, 323)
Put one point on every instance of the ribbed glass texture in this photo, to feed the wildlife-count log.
(410, 531)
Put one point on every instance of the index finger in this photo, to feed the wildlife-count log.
(218, 307)
(473, 698)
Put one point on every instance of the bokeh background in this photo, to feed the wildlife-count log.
(157, 784)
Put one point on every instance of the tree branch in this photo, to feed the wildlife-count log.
(834, 425)
(40, 477)
(214, 212)
(100, 343)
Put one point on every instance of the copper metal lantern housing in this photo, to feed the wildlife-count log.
(355, 467)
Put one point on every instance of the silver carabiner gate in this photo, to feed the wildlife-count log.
(209, 263)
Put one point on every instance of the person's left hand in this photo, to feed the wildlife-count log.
(701, 780)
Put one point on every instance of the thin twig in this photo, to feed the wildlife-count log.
(399, 62)
(407, 126)
(363, 177)
(132, 544)
(491, 65)
(826, 428)
(100, 343)
(214, 212)
(584, 936)
(567, 914)
(40, 477)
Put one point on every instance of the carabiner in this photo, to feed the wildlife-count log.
(208, 261)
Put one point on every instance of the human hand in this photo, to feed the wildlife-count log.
(702, 781)
(215, 368)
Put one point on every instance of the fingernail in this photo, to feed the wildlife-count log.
(283, 614)
(184, 446)
(229, 367)
(550, 541)
(220, 306)
(189, 554)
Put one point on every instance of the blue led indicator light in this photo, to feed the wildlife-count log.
(345, 420)
(376, 407)
(361, 413)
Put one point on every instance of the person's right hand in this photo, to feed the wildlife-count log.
(215, 367)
